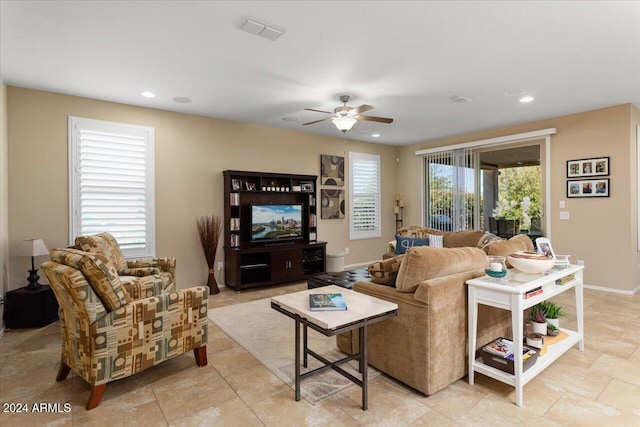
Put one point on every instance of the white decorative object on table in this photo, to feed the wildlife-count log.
(530, 262)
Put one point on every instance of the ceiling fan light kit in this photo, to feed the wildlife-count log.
(344, 123)
(345, 117)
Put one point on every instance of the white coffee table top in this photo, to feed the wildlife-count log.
(359, 306)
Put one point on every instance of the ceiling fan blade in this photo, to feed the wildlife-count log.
(317, 121)
(318, 111)
(360, 109)
(374, 119)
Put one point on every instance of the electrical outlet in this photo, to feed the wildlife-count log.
(580, 262)
(220, 265)
(346, 251)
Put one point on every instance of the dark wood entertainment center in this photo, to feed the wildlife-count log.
(251, 263)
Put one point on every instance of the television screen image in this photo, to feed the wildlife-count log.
(276, 222)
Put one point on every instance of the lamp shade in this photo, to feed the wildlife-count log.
(344, 123)
(33, 247)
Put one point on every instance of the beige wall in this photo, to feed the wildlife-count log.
(191, 153)
(602, 232)
(4, 216)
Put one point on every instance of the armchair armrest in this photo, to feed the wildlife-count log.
(138, 272)
(143, 287)
(164, 265)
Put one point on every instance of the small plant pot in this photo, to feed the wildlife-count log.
(554, 322)
(553, 332)
(540, 328)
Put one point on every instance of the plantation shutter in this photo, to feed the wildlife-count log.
(364, 173)
(112, 183)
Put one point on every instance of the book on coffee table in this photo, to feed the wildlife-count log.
(326, 302)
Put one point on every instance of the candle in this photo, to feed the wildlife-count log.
(496, 266)
(396, 209)
(401, 203)
(397, 196)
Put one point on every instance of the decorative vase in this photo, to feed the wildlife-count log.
(539, 328)
(212, 283)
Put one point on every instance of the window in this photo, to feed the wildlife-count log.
(111, 180)
(364, 194)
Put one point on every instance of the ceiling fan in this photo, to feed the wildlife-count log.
(344, 117)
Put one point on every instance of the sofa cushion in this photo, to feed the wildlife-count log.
(486, 239)
(521, 242)
(385, 272)
(99, 272)
(424, 263)
(404, 243)
(460, 239)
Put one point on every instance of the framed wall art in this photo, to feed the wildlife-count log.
(332, 204)
(580, 168)
(331, 170)
(588, 188)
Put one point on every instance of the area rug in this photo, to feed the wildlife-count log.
(269, 336)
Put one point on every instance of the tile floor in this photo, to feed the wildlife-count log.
(599, 387)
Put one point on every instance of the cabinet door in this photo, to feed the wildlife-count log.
(286, 264)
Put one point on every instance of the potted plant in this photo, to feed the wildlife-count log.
(538, 315)
(552, 330)
(553, 313)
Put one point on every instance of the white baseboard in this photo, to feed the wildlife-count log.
(611, 290)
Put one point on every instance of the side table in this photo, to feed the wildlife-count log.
(30, 308)
(509, 294)
(362, 311)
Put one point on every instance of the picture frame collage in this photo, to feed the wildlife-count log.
(588, 177)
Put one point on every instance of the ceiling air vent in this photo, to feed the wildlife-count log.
(459, 99)
(262, 29)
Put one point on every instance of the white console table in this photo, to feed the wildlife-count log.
(509, 294)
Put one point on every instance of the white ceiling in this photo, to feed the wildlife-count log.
(404, 58)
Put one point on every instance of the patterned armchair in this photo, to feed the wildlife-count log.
(107, 334)
(105, 244)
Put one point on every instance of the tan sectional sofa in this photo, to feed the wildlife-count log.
(425, 346)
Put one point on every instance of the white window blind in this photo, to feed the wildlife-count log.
(450, 189)
(112, 183)
(364, 175)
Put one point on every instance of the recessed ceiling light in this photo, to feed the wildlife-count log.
(517, 92)
(526, 99)
(182, 100)
(290, 119)
(148, 94)
(375, 135)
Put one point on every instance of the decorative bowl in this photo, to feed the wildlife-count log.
(530, 262)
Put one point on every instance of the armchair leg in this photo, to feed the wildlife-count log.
(96, 395)
(63, 371)
(201, 355)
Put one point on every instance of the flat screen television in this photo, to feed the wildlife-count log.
(281, 222)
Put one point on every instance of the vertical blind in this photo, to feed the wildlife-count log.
(364, 173)
(113, 184)
(450, 190)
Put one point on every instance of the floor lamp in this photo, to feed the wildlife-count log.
(33, 248)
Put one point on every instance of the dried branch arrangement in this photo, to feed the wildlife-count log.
(209, 230)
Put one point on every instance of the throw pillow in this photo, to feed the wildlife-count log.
(486, 239)
(404, 243)
(385, 272)
(436, 240)
(521, 242)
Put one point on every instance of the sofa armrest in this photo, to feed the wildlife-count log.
(138, 272)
